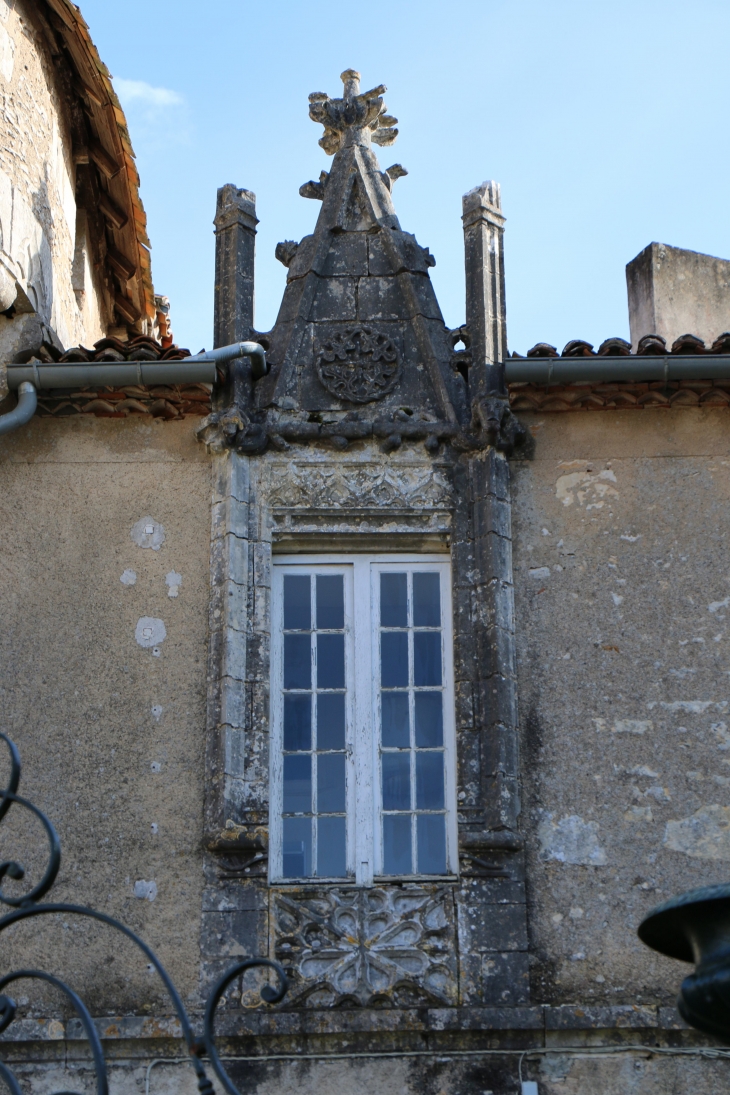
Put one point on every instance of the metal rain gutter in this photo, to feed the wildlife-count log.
(198, 369)
(634, 367)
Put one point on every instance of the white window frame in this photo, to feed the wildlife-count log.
(362, 740)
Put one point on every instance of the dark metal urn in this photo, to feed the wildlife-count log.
(695, 927)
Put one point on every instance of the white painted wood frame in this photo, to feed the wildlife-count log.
(362, 680)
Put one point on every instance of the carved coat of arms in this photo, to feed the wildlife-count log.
(359, 365)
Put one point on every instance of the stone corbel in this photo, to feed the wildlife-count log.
(474, 847)
(230, 426)
(239, 840)
(493, 840)
(497, 426)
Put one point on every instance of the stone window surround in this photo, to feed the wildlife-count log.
(250, 521)
(414, 504)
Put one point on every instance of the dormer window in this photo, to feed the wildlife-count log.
(362, 718)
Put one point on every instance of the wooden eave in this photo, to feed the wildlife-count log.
(110, 156)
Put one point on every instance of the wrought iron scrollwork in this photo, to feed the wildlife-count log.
(30, 905)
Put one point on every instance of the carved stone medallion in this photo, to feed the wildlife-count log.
(379, 947)
(359, 365)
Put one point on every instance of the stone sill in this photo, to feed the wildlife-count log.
(543, 1020)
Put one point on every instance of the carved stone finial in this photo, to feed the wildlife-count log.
(351, 80)
(355, 119)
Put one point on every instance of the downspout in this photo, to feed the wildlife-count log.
(27, 403)
(198, 369)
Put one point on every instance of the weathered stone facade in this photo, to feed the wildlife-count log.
(587, 582)
(74, 253)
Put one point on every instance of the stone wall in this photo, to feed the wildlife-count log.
(622, 590)
(45, 245)
(102, 686)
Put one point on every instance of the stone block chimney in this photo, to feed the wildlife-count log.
(674, 292)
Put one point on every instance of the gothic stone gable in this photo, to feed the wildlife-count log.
(359, 328)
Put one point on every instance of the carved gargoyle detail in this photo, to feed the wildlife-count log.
(313, 189)
(285, 251)
(492, 418)
(355, 111)
(232, 429)
(391, 174)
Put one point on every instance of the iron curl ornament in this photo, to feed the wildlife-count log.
(31, 905)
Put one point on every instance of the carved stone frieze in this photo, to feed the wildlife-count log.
(376, 947)
(358, 486)
(358, 365)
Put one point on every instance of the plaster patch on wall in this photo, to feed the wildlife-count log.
(570, 840)
(173, 581)
(128, 578)
(704, 835)
(632, 726)
(717, 605)
(689, 707)
(540, 572)
(638, 813)
(720, 730)
(145, 890)
(624, 726)
(587, 487)
(148, 533)
(150, 631)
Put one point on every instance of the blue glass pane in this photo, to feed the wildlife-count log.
(431, 841)
(429, 720)
(394, 600)
(330, 602)
(397, 844)
(395, 731)
(330, 661)
(297, 603)
(331, 721)
(331, 847)
(298, 784)
(429, 781)
(394, 659)
(331, 783)
(297, 723)
(297, 661)
(297, 847)
(426, 657)
(426, 600)
(396, 780)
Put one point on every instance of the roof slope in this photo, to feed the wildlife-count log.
(112, 182)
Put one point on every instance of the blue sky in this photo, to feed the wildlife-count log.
(605, 121)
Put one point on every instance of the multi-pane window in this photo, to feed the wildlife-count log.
(362, 718)
(412, 723)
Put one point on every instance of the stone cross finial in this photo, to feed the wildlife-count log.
(355, 119)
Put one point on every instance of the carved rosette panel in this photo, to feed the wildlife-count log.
(358, 486)
(378, 947)
(358, 365)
